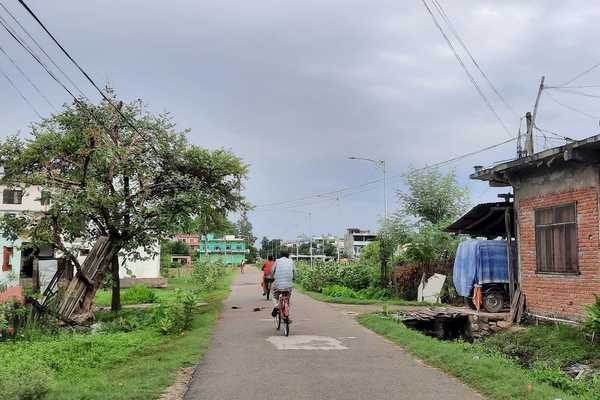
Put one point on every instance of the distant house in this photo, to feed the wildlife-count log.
(192, 240)
(35, 268)
(556, 206)
(229, 249)
(355, 240)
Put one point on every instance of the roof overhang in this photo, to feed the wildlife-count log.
(484, 220)
(585, 151)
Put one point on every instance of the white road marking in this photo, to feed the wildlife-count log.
(306, 342)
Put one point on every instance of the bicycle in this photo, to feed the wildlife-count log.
(284, 312)
(269, 282)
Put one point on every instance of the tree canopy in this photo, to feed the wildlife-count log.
(119, 171)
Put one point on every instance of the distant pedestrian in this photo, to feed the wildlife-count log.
(242, 265)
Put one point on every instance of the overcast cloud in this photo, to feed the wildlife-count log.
(296, 87)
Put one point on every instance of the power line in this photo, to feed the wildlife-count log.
(571, 108)
(464, 46)
(583, 73)
(310, 200)
(481, 94)
(42, 50)
(27, 101)
(26, 77)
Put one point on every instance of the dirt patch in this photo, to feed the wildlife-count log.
(178, 389)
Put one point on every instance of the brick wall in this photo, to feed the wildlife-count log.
(561, 294)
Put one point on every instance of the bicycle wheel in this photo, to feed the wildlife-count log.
(268, 291)
(286, 326)
(277, 321)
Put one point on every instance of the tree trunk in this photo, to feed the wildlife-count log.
(84, 311)
(115, 304)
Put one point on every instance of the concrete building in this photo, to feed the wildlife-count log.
(192, 240)
(229, 249)
(355, 240)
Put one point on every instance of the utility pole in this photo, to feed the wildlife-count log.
(531, 120)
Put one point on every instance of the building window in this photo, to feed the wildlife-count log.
(228, 247)
(12, 196)
(556, 239)
(45, 198)
(217, 248)
(238, 247)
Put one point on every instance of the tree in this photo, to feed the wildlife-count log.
(244, 229)
(180, 248)
(433, 197)
(119, 172)
(433, 200)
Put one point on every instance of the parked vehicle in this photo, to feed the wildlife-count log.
(484, 264)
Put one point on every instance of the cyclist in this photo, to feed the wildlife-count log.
(284, 273)
(267, 270)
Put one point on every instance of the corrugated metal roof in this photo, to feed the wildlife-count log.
(485, 220)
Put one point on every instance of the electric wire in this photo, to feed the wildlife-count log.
(310, 200)
(464, 46)
(42, 50)
(583, 73)
(114, 106)
(462, 64)
(29, 80)
(17, 89)
(571, 108)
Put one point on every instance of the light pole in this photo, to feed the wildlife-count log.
(381, 165)
(310, 232)
(338, 225)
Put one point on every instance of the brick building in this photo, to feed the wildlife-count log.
(557, 227)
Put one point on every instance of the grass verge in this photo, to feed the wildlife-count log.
(346, 300)
(139, 364)
(494, 376)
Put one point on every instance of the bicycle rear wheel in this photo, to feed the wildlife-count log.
(268, 291)
(286, 326)
(277, 321)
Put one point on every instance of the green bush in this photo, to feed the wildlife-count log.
(25, 381)
(138, 294)
(208, 274)
(593, 315)
(358, 275)
(316, 278)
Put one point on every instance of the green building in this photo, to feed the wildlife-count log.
(230, 249)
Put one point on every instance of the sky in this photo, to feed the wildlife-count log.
(297, 87)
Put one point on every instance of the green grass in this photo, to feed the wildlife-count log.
(494, 376)
(347, 300)
(137, 365)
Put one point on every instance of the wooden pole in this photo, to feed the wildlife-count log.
(511, 272)
(531, 122)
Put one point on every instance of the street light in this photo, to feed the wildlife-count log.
(381, 165)
(338, 226)
(310, 232)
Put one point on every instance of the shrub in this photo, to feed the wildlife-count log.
(176, 317)
(138, 294)
(593, 315)
(25, 382)
(358, 275)
(316, 278)
(208, 274)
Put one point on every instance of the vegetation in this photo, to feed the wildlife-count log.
(131, 354)
(115, 170)
(486, 368)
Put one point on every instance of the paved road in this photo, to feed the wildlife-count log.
(328, 355)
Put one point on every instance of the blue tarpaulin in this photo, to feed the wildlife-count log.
(481, 261)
